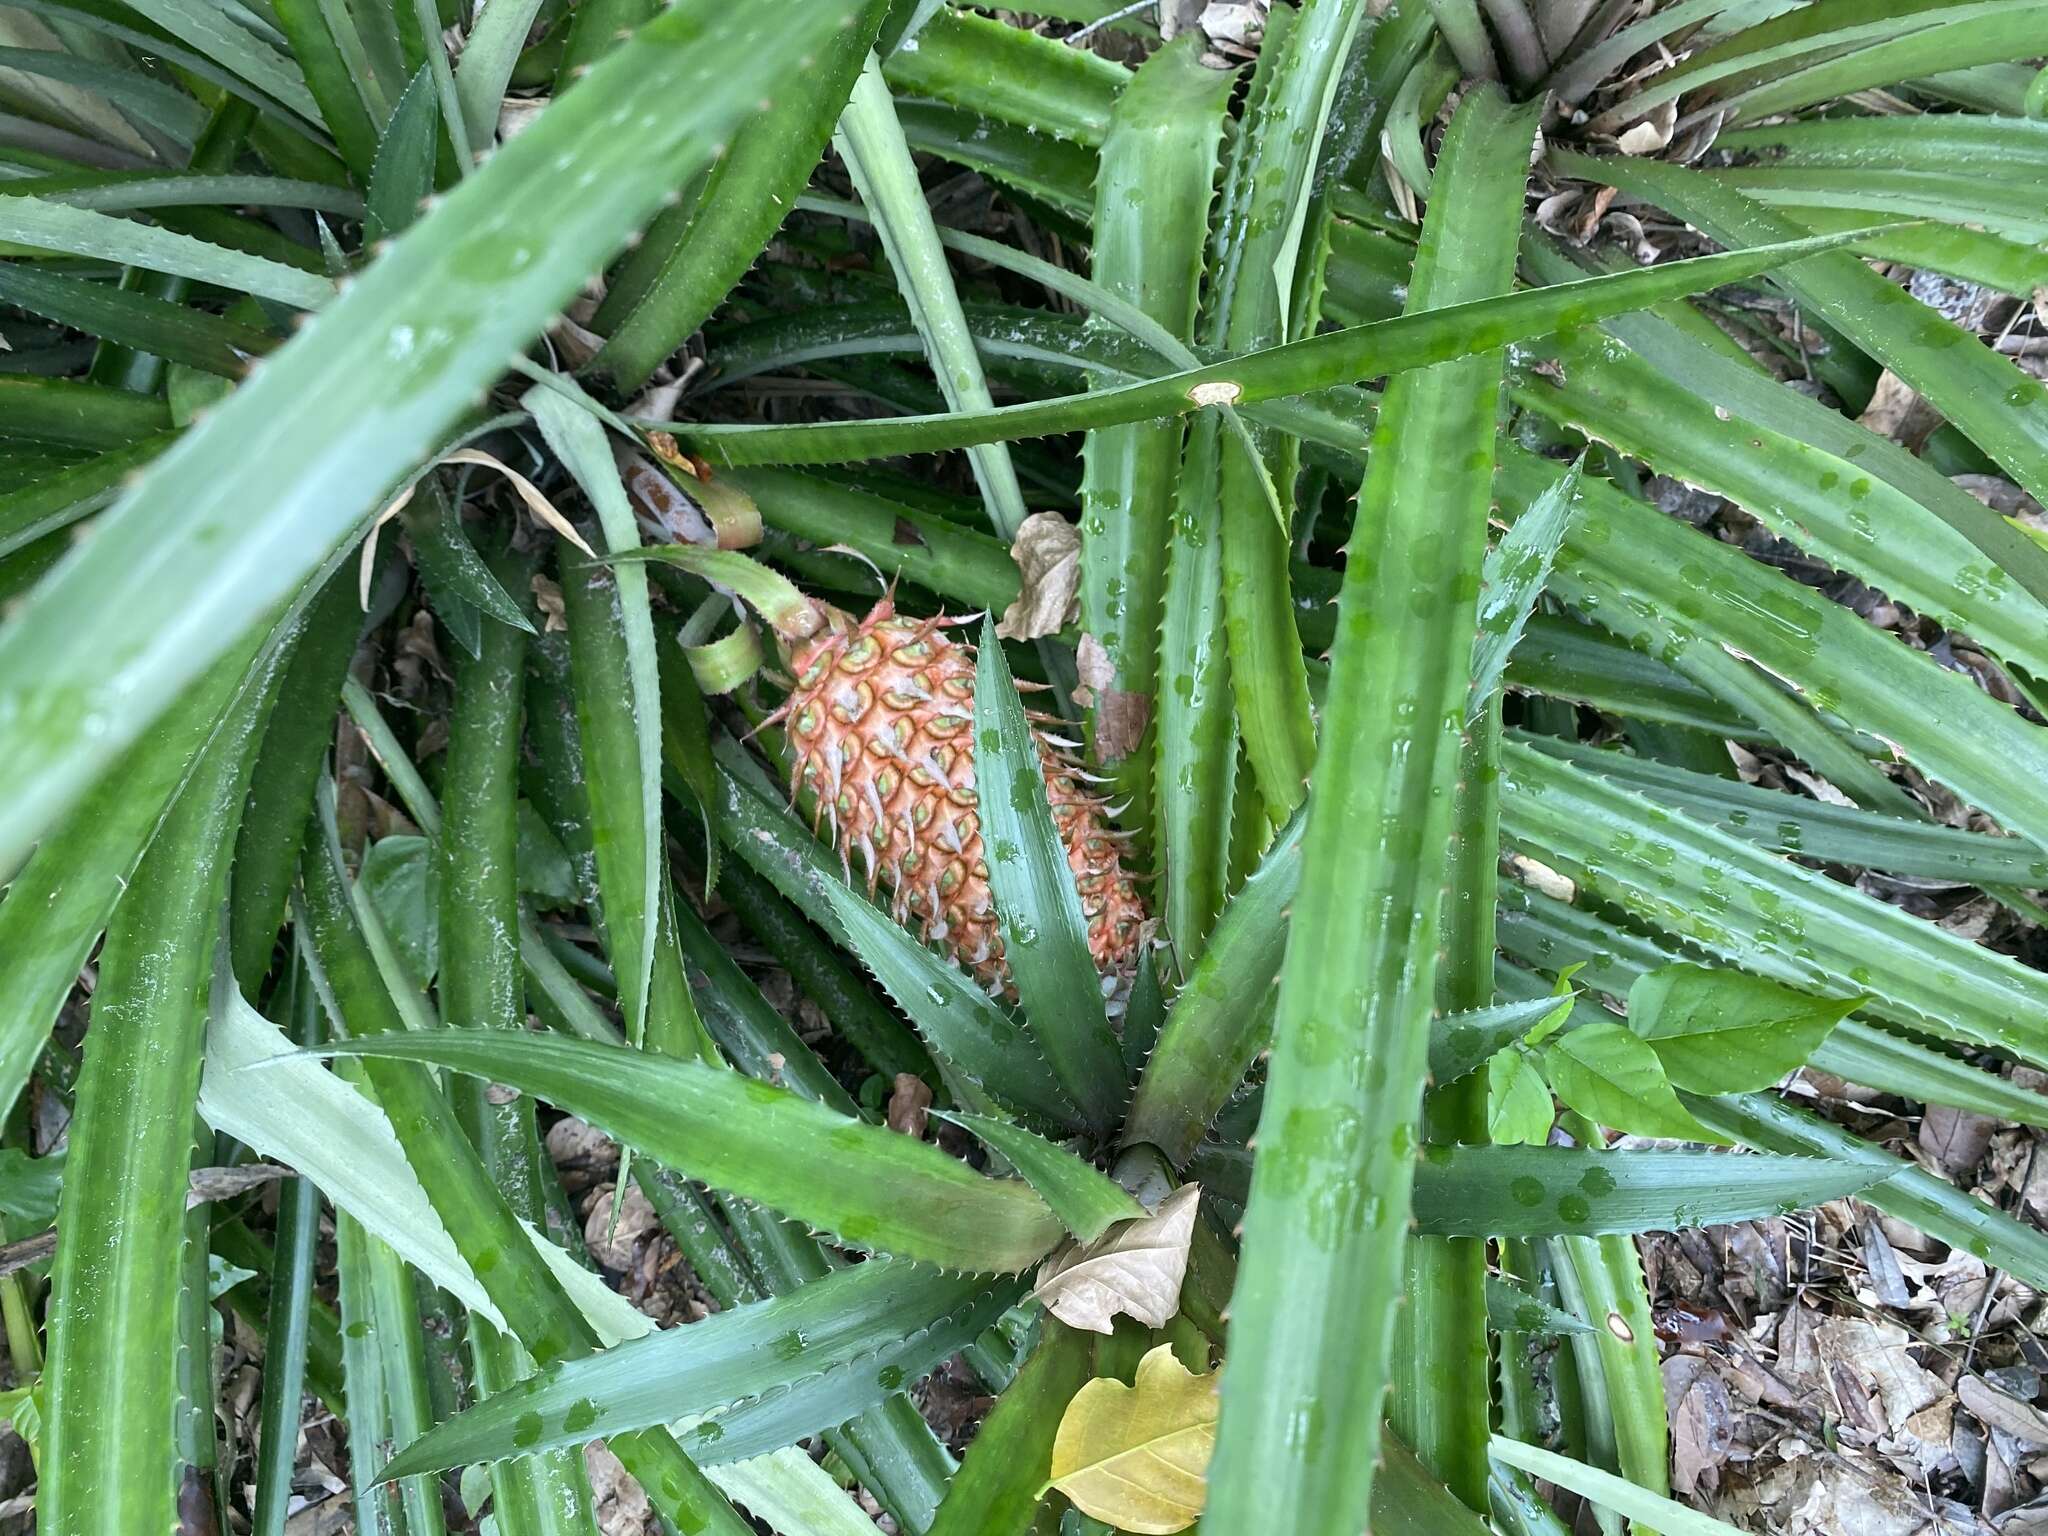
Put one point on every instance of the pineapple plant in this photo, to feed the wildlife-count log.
(1404, 866)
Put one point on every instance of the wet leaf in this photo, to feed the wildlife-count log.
(1133, 1270)
(1138, 1456)
(1728, 1032)
(1518, 1107)
(1610, 1076)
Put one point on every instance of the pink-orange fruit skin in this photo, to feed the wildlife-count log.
(881, 731)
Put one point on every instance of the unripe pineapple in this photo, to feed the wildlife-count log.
(881, 731)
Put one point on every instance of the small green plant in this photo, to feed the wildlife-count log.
(440, 489)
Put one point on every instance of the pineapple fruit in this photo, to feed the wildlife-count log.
(881, 731)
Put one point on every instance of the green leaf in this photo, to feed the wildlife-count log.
(755, 1377)
(1764, 913)
(468, 1203)
(1086, 1201)
(2003, 410)
(59, 901)
(135, 320)
(289, 1107)
(1001, 69)
(1519, 1110)
(269, 486)
(953, 1016)
(1534, 1191)
(1724, 1032)
(241, 49)
(1461, 1042)
(108, 1435)
(402, 881)
(29, 1187)
(1906, 1191)
(1610, 1076)
(1516, 570)
(1509, 1308)
(1300, 367)
(1540, 1191)
(403, 175)
(1609, 1491)
(694, 255)
(870, 142)
(1152, 202)
(1325, 1224)
(887, 1193)
(996, 1492)
(57, 499)
(1219, 1018)
(53, 226)
(1832, 834)
(618, 703)
(1045, 934)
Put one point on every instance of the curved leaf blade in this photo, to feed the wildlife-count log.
(887, 1192)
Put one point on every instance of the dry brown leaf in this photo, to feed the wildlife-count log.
(516, 115)
(617, 1246)
(1999, 1410)
(548, 598)
(908, 1101)
(1652, 133)
(1897, 411)
(1702, 1423)
(1048, 551)
(1132, 1270)
(1121, 715)
(1954, 1138)
(1875, 1355)
(225, 1183)
(1541, 877)
(529, 493)
(392, 508)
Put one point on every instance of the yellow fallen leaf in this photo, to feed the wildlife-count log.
(1137, 1457)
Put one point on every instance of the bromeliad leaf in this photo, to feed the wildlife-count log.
(872, 1188)
(1045, 934)
(1722, 1032)
(1137, 1457)
(1610, 1076)
(761, 1376)
(1543, 1191)
(1510, 1308)
(1460, 1042)
(1297, 367)
(1516, 570)
(1135, 1270)
(1083, 1198)
(955, 1017)
(195, 555)
(1605, 1489)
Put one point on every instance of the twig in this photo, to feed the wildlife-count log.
(1076, 38)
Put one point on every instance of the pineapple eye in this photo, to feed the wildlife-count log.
(852, 703)
(808, 720)
(860, 654)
